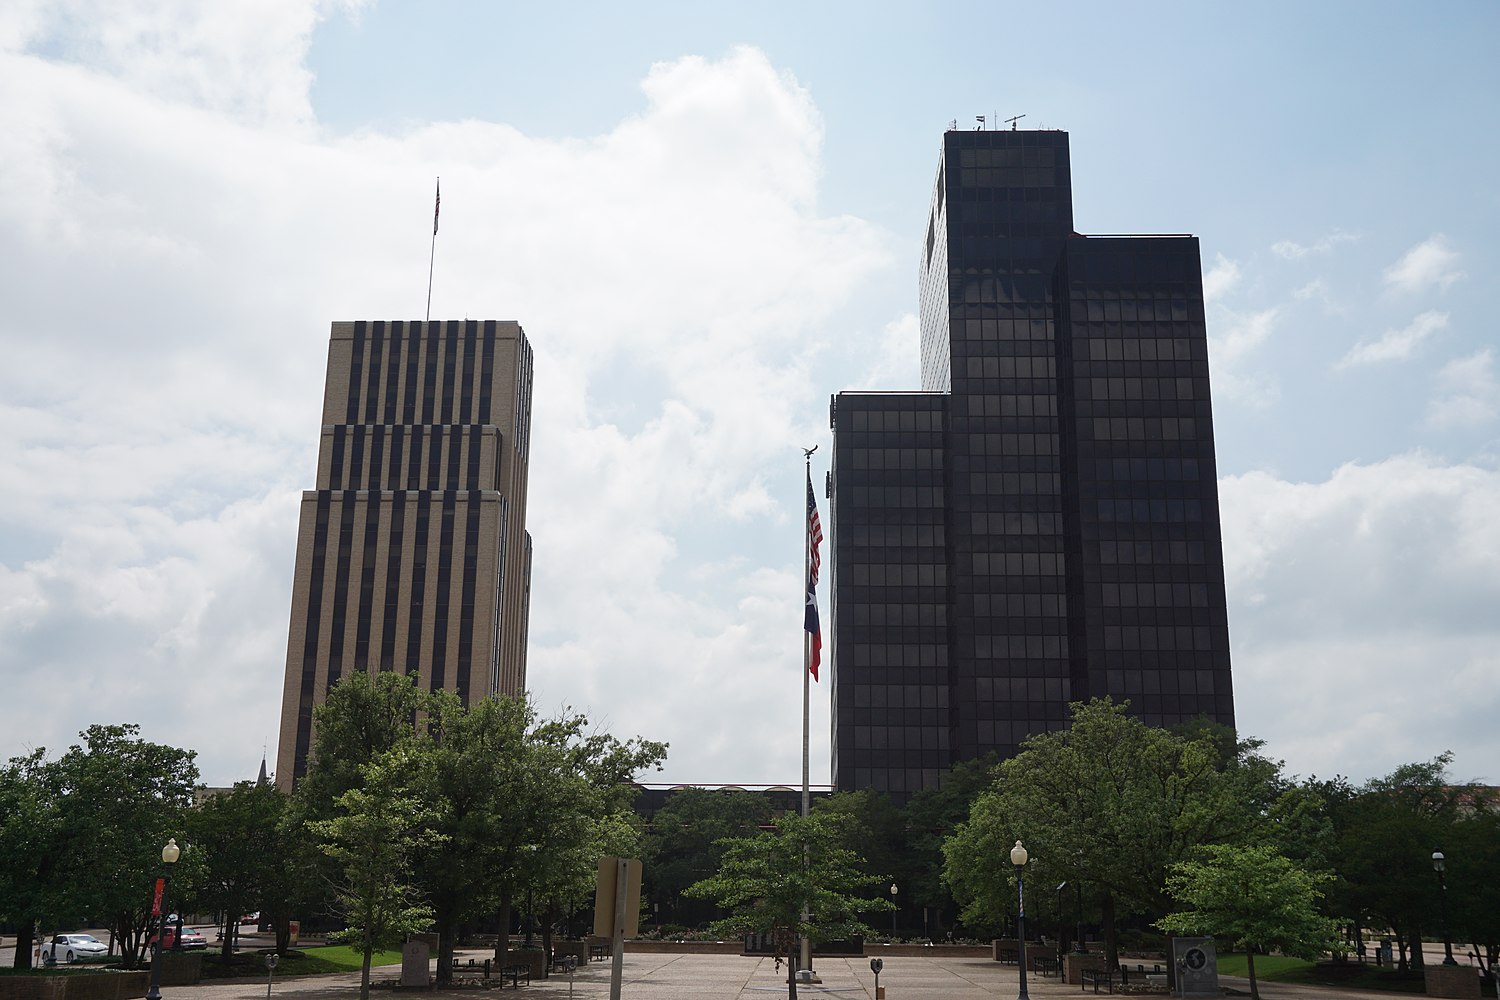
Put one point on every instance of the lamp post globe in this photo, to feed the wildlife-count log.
(1018, 858)
(1440, 866)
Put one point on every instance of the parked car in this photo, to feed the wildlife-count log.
(191, 939)
(251, 918)
(71, 948)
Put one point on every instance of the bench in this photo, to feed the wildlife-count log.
(564, 963)
(1044, 966)
(598, 951)
(1097, 978)
(515, 973)
(1007, 956)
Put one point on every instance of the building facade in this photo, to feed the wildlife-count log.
(412, 552)
(1040, 524)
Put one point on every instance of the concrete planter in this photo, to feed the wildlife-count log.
(1451, 981)
(106, 985)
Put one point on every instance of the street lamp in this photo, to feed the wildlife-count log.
(169, 856)
(1439, 865)
(1018, 858)
(893, 909)
(1062, 921)
(1078, 948)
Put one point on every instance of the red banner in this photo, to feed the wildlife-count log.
(156, 900)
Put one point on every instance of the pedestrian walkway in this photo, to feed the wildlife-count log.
(735, 977)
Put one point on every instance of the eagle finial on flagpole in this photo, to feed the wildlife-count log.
(807, 452)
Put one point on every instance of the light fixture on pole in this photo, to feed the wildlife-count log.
(893, 909)
(169, 856)
(1440, 865)
(1062, 928)
(1018, 858)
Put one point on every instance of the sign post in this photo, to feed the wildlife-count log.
(617, 911)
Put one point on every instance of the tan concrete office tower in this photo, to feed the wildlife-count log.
(412, 553)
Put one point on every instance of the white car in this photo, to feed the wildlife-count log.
(71, 948)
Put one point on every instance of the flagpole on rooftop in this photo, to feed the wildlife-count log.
(437, 204)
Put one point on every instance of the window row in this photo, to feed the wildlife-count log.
(1014, 523)
(1155, 552)
(1013, 444)
(1143, 428)
(900, 738)
(899, 615)
(1018, 564)
(909, 535)
(890, 420)
(1011, 366)
(1198, 682)
(880, 459)
(893, 496)
(1021, 647)
(1176, 387)
(901, 696)
(1015, 484)
(1155, 595)
(873, 566)
(1044, 405)
(1021, 605)
(1198, 639)
(1164, 309)
(1151, 511)
(1138, 344)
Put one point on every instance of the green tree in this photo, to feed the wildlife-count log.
(1110, 802)
(1384, 834)
(1253, 899)
(683, 842)
(767, 880)
(30, 848)
(240, 834)
(931, 817)
(376, 831)
(122, 799)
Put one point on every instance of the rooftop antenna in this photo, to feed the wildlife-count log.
(1014, 120)
(980, 120)
(953, 125)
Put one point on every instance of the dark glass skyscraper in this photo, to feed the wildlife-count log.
(1040, 524)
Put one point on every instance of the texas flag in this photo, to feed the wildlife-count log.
(814, 560)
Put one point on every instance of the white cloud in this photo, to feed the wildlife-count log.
(1292, 250)
(1469, 393)
(1234, 340)
(1395, 345)
(676, 279)
(1220, 279)
(1429, 264)
(1361, 614)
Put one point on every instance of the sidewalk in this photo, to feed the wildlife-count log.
(734, 977)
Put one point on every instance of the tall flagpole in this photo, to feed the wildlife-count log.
(437, 204)
(807, 639)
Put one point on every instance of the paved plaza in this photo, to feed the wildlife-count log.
(735, 977)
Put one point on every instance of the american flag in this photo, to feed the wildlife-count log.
(814, 562)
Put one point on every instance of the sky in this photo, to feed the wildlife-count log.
(708, 219)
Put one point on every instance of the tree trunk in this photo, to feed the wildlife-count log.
(445, 951)
(1250, 967)
(1417, 961)
(502, 940)
(25, 944)
(364, 967)
(231, 924)
(1111, 941)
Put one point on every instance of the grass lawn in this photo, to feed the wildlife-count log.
(1280, 969)
(300, 962)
